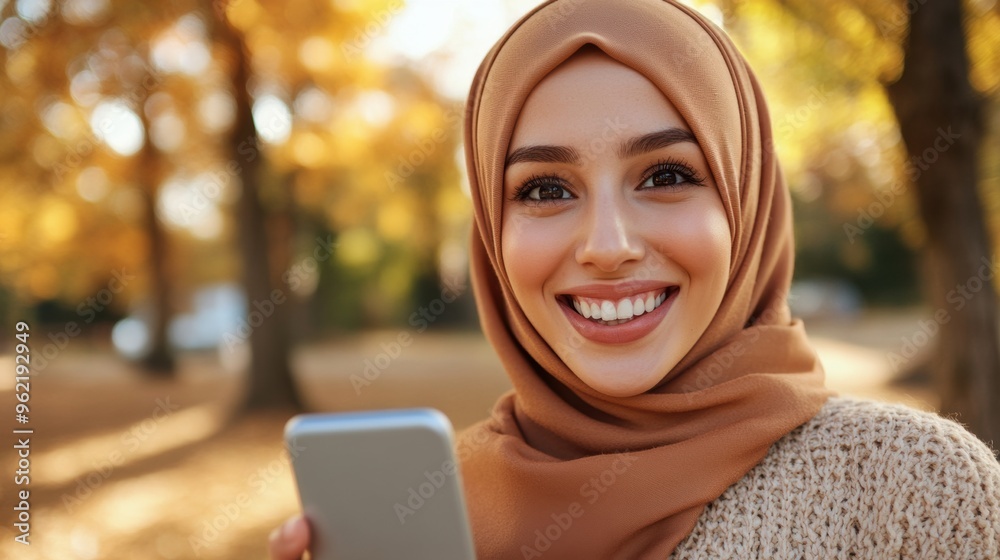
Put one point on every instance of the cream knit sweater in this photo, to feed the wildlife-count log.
(860, 480)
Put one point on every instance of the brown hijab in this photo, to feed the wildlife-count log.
(560, 470)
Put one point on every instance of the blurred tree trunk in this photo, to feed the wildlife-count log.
(285, 226)
(940, 121)
(160, 359)
(270, 378)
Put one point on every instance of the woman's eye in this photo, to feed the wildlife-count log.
(671, 175)
(548, 192)
(664, 179)
(539, 189)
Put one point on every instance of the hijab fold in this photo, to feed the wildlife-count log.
(560, 470)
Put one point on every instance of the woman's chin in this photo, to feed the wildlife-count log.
(617, 372)
(610, 383)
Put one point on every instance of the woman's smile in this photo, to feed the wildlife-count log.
(615, 241)
(619, 313)
(610, 313)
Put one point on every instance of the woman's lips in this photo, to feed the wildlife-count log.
(614, 330)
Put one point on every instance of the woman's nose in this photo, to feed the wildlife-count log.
(609, 237)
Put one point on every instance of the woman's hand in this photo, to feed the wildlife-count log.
(290, 541)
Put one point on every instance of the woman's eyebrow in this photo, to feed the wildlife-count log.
(543, 154)
(654, 141)
(629, 148)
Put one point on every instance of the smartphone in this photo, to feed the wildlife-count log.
(380, 485)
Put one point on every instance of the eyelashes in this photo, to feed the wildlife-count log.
(687, 174)
(542, 183)
(667, 175)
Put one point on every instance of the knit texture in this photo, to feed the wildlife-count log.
(860, 480)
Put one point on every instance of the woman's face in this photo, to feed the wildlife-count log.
(614, 237)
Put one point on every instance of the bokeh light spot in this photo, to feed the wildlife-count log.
(118, 126)
(273, 119)
(92, 184)
(34, 11)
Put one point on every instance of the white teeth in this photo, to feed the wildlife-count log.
(608, 312)
(624, 310)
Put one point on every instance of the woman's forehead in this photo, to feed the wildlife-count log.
(589, 96)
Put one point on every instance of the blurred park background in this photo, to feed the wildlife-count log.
(215, 214)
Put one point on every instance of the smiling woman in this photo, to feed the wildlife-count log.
(580, 224)
(631, 260)
(678, 212)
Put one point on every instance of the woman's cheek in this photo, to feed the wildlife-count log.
(716, 239)
(710, 248)
(528, 253)
(697, 238)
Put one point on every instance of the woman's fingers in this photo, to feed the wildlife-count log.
(290, 541)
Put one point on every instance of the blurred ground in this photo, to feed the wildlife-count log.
(129, 468)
